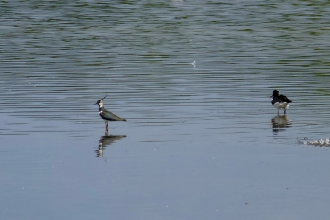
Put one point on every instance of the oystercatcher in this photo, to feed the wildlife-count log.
(280, 101)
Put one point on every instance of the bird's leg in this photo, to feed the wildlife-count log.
(284, 111)
(106, 126)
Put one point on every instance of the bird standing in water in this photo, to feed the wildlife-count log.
(280, 101)
(106, 115)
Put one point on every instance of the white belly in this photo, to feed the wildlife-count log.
(279, 105)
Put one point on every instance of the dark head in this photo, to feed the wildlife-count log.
(100, 102)
(275, 94)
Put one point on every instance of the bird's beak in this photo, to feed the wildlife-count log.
(95, 104)
(271, 96)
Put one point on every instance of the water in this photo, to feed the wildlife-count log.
(200, 141)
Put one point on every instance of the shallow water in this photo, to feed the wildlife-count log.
(200, 141)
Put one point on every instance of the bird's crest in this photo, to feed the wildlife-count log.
(105, 97)
(100, 102)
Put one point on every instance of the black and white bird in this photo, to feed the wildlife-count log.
(280, 101)
(107, 115)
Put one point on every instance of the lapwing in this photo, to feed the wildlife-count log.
(107, 115)
(280, 101)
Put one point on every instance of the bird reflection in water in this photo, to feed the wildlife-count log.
(105, 140)
(280, 122)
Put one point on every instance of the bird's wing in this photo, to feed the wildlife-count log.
(283, 98)
(105, 114)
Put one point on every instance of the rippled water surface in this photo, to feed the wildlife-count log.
(201, 141)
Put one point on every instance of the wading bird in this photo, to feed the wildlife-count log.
(280, 101)
(106, 115)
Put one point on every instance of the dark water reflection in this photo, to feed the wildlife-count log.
(105, 141)
(200, 139)
(280, 123)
